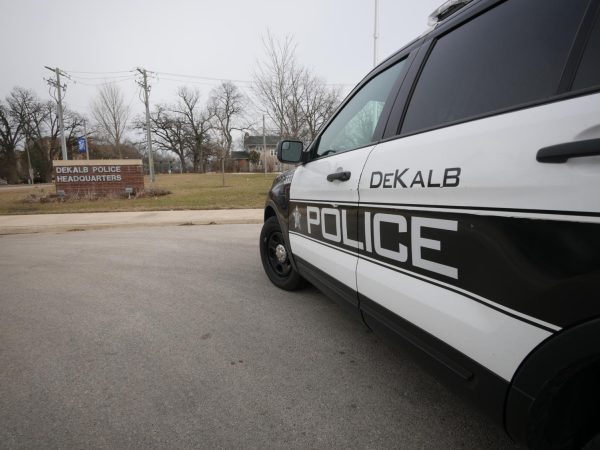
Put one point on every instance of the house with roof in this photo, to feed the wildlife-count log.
(240, 161)
(268, 155)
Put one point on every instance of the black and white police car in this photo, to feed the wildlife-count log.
(453, 203)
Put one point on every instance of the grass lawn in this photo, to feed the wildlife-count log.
(188, 191)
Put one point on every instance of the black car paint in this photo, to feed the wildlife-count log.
(511, 404)
(278, 203)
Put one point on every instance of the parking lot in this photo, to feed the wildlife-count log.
(173, 337)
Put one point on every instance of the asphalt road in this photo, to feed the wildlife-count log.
(173, 337)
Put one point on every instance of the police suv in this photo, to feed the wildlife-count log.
(452, 202)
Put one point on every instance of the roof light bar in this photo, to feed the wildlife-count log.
(445, 11)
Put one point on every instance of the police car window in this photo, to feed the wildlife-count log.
(588, 74)
(510, 55)
(354, 126)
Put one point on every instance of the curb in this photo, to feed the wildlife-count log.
(98, 221)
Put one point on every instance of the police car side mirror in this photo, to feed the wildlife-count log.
(290, 151)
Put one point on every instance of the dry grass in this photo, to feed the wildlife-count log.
(188, 191)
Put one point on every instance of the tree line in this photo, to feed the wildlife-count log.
(199, 134)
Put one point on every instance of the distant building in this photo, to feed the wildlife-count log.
(240, 161)
(255, 143)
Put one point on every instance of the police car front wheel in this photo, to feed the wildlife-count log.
(275, 257)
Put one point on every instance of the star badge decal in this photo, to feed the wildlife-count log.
(296, 216)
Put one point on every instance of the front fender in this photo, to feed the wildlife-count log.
(278, 203)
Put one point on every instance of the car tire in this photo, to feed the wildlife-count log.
(274, 254)
(593, 444)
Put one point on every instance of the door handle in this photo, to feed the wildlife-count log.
(562, 152)
(340, 176)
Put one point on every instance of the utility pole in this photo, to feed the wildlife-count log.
(265, 144)
(87, 149)
(375, 35)
(223, 165)
(30, 169)
(59, 87)
(146, 88)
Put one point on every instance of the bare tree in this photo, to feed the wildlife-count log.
(12, 122)
(296, 101)
(226, 105)
(199, 125)
(24, 117)
(42, 131)
(318, 103)
(170, 133)
(111, 114)
(273, 82)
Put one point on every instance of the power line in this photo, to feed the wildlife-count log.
(103, 84)
(203, 83)
(100, 73)
(77, 77)
(100, 84)
(203, 78)
(179, 77)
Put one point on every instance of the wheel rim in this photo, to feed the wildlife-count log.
(277, 255)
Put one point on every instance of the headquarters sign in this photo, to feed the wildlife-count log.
(101, 177)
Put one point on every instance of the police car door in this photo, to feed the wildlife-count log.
(473, 233)
(324, 191)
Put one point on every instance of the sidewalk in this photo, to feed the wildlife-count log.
(37, 223)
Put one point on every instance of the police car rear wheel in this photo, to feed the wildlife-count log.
(593, 444)
(275, 257)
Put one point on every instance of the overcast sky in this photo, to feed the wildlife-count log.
(216, 39)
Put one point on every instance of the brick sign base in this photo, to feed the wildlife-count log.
(98, 176)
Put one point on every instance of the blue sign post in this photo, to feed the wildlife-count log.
(81, 142)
